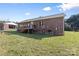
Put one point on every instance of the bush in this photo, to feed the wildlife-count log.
(67, 27)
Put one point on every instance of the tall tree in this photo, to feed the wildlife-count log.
(73, 21)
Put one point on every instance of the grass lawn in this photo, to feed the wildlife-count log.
(15, 43)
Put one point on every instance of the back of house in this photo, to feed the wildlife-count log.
(7, 26)
(53, 24)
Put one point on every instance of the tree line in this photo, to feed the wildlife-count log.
(72, 23)
(2, 21)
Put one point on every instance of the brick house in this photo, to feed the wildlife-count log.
(7, 26)
(53, 24)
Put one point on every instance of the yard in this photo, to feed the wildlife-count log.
(15, 43)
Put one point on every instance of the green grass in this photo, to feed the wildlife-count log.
(18, 44)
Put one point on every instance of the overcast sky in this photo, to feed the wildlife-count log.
(19, 12)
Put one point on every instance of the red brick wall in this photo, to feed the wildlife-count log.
(56, 25)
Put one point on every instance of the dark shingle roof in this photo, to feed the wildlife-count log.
(44, 17)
